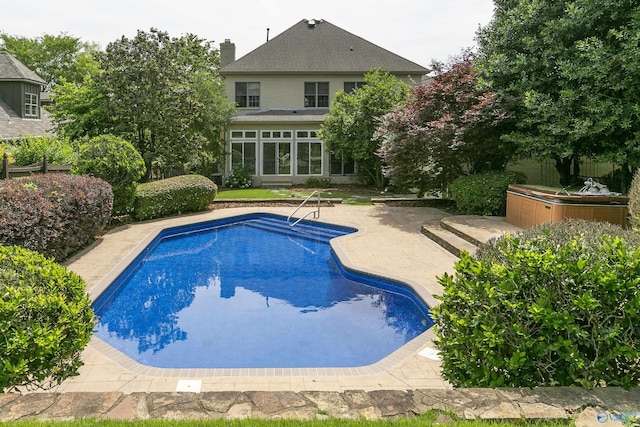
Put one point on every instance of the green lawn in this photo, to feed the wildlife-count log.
(430, 418)
(350, 196)
(251, 193)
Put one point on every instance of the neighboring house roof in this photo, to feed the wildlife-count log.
(13, 126)
(11, 70)
(317, 46)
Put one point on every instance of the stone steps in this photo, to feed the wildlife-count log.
(449, 240)
(466, 232)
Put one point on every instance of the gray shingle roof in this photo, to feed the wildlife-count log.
(12, 69)
(12, 126)
(313, 46)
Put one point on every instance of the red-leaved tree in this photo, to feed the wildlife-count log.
(449, 127)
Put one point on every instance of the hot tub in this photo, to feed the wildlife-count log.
(529, 206)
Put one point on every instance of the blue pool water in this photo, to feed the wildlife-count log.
(250, 292)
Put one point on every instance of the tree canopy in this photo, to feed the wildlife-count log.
(349, 128)
(52, 57)
(161, 93)
(573, 68)
(448, 127)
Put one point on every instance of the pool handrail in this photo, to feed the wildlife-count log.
(315, 212)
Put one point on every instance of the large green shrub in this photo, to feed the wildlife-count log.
(558, 306)
(31, 150)
(185, 193)
(55, 214)
(46, 320)
(116, 161)
(484, 193)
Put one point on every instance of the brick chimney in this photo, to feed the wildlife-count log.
(227, 53)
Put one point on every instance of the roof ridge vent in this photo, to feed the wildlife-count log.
(311, 24)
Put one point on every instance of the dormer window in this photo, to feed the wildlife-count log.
(248, 94)
(316, 94)
(30, 105)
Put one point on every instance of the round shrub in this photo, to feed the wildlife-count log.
(556, 306)
(117, 162)
(46, 320)
(484, 193)
(185, 193)
(55, 214)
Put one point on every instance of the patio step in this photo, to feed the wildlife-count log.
(467, 232)
(452, 242)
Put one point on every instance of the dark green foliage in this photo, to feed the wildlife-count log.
(180, 194)
(484, 193)
(556, 306)
(117, 162)
(46, 320)
(54, 214)
(571, 69)
(316, 182)
(166, 97)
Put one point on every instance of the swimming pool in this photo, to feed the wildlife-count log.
(250, 291)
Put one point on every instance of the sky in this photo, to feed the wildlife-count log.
(418, 30)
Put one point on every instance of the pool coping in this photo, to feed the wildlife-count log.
(383, 365)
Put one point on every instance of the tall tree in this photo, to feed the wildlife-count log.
(51, 57)
(573, 68)
(448, 127)
(349, 128)
(165, 95)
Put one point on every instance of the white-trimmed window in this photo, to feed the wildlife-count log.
(316, 94)
(351, 86)
(339, 166)
(276, 158)
(276, 134)
(31, 105)
(248, 94)
(243, 150)
(308, 153)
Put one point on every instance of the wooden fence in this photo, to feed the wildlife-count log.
(7, 171)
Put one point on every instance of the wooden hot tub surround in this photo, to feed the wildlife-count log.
(527, 206)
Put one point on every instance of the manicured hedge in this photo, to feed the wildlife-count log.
(46, 320)
(484, 193)
(554, 306)
(180, 194)
(54, 214)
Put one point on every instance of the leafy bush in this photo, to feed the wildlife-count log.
(117, 162)
(557, 306)
(185, 193)
(315, 182)
(485, 193)
(634, 201)
(239, 178)
(54, 214)
(31, 150)
(45, 318)
(557, 234)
